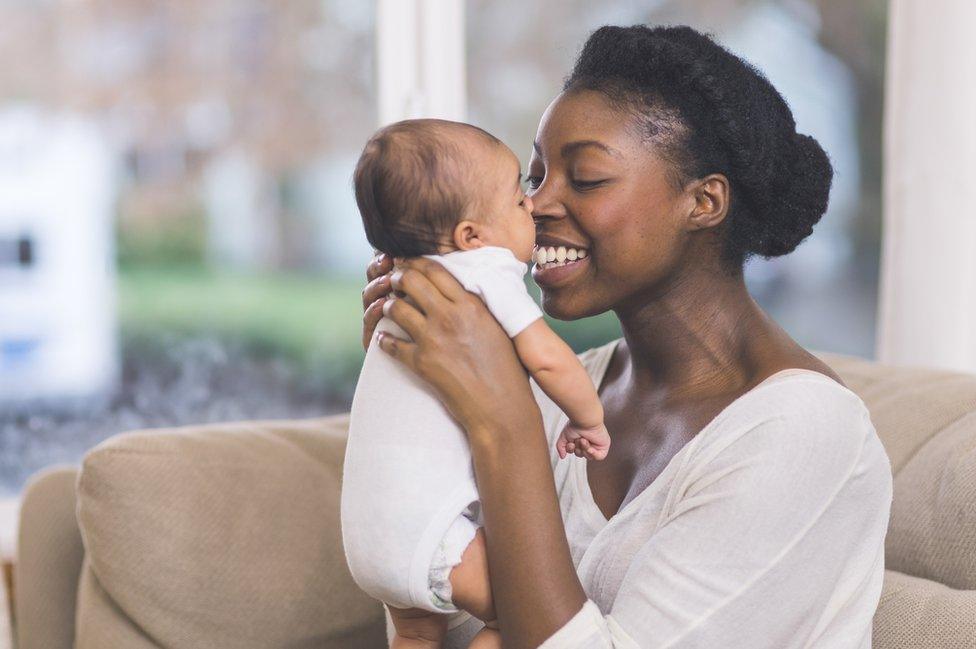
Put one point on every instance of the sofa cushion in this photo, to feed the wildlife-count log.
(915, 612)
(221, 536)
(926, 419)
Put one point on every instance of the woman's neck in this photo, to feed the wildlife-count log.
(702, 333)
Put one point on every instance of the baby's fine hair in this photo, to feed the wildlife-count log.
(412, 185)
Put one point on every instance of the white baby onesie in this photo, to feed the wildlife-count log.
(409, 504)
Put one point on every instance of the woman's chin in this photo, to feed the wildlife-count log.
(562, 307)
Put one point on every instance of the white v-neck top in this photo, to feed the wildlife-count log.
(766, 530)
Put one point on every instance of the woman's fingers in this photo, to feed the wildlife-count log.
(447, 285)
(375, 292)
(404, 314)
(371, 317)
(380, 264)
(376, 289)
(418, 285)
(402, 350)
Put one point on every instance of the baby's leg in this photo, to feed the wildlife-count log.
(488, 638)
(470, 585)
(471, 591)
(417, 628)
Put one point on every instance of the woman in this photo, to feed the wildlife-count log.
(745, 499)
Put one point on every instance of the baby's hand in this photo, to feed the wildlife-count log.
(592, 442)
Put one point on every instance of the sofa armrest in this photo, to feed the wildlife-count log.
(49, 556)
(6, 603)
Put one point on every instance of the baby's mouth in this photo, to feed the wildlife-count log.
(554, 256)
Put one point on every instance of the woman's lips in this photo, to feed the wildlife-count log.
(552, 276)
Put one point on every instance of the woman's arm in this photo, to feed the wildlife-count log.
(461, 351)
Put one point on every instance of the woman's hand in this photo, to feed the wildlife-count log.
(459, 349)
(374, 294)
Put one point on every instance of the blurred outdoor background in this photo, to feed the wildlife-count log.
(179, 242)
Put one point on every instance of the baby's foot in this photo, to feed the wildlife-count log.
(592, 442)
(417, 628)
(488, 638)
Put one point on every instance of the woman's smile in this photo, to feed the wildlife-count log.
(557, 265)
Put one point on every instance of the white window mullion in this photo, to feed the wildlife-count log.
(927, 305)
(420, 59)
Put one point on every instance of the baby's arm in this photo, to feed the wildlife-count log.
(557, 370)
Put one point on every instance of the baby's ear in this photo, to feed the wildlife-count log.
(467, 235)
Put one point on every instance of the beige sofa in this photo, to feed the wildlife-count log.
(227, 535)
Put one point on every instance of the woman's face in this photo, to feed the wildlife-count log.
(596, 183)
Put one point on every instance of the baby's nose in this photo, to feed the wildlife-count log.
(528, 204)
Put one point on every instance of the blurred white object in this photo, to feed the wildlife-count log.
(57, 282)
(927, 313)
(420, 59)
(9, 517)
(325, 185)
(239, 220)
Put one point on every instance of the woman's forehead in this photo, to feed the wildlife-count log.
(584, 119)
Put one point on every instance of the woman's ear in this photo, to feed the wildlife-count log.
(711, 195)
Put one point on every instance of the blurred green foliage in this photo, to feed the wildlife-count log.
(177, 241)
(314, 321)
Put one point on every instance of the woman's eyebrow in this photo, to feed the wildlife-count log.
(571, 147)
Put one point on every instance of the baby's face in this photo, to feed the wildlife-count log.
(505, 212)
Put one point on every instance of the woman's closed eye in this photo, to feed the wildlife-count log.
(533, 183)
(584, 185)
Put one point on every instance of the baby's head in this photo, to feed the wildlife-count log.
(431, 186)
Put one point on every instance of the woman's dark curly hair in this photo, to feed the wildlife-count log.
(708, 111)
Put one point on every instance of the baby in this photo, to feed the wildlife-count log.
(410, 514)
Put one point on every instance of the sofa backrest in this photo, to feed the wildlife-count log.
(219, 536)
(248, 513)
(926, 419)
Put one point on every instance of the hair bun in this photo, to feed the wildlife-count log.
(707, 111)
(801, 191)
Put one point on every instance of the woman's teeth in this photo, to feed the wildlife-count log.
(551, 257)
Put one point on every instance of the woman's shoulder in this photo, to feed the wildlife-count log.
(796, 414)
(803, 393)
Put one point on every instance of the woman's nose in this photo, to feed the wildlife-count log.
(529, 205)
(545, 205)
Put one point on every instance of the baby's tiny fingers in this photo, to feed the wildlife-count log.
(597, 454)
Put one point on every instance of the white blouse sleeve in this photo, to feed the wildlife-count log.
(750, 552)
